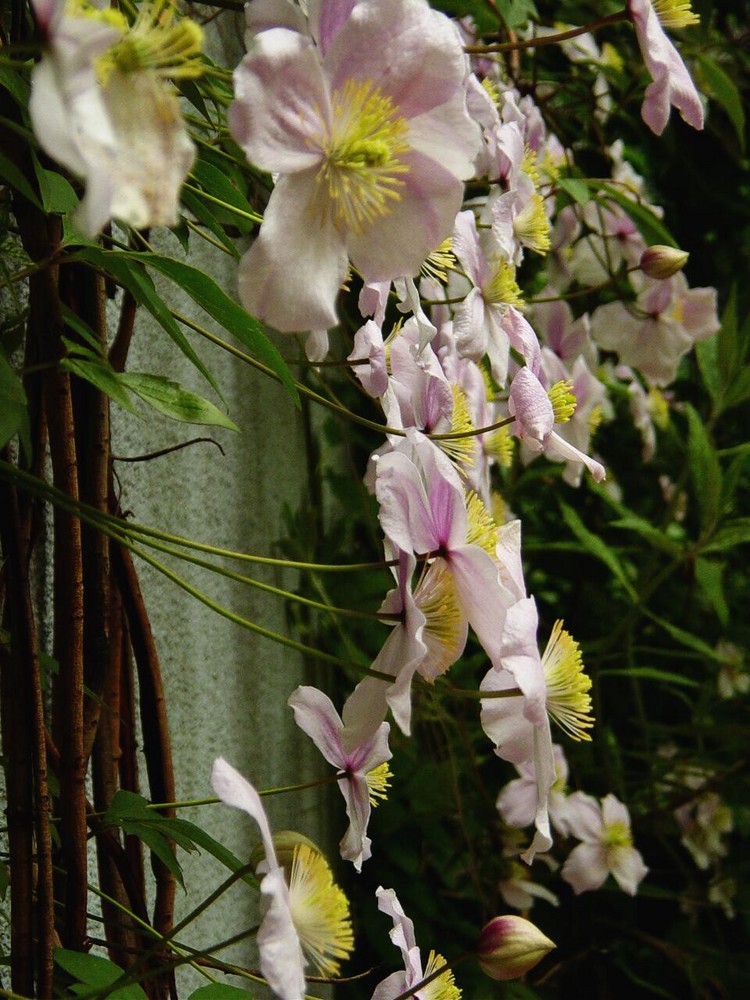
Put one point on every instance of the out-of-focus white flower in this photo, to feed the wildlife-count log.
(102, 107)
(606, 848)
(703, 822)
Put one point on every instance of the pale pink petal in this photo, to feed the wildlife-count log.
(281, 103)
(585, 868)
(291, 275)
(425, 68)
(626, 864)
(315, 715)
(558, 444)
(326, 20)
(584, 816)
(282, 962)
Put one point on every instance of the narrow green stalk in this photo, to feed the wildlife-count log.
(562, 36)
(251, 216)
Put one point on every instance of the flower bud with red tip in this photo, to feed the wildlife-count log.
(509, 946)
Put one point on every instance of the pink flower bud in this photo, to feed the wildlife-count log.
(663, 262)
(509, 946)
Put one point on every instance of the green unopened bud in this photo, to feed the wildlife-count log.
(663, 262)
(510, 946)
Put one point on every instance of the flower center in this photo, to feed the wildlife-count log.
(563, 400)
(568, 700)
(435, 596)
(617, 834)
(157, 42)
(378, 783)
(481, 529)
(442, 988)
(320, 911)
(675, 13)
(502, 288)
(362, 167)
(461, 451)
(531, 225)
(439, 262)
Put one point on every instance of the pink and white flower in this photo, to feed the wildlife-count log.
(101, 106)
(606, 845)
(357, 750)
(371, 142)
(671, 83)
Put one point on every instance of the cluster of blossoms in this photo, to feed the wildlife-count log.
(370, 144)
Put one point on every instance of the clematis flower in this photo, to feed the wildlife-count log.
(101, 106)
(358, 751)
(516, 803)
(671, 82)
(552, 686)
(606, 848)
(306, 917)
(371, 141)
(659, 328)
(535, 414)
(443, 987)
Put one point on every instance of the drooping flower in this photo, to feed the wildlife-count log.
(371, 142)
(443, 987)
(516, 803)
(671, 83)
(606, 845)
(519, 724)
(358, 751)
(304, 917)
(102, 107)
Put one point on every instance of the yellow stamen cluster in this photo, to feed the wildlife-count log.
(595, 417)
(439, 262)
(502, 288)
(530, 165)
(462, 451)
(443, 987)
(563, 400)
(617, 834)
(481, 530)
(500, 445)
(378, 782)
(659, 407)
(157, 42)
(320, 911)
(675, 13)
(436, 598)
(361, 174)
(531, 225)
(568, 699)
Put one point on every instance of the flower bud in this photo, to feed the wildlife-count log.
(663, 262)
(509, 946)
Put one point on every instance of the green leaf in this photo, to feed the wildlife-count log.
(16, 85)
(725, 92)
(173, 401)
(205, 215)
(10, 173)
(209, 296)
(157, 843)
(707, 354)
(216, 182)
(596, 547)
(577, 188)
(219, 991)
(709, 574)
(652, 229)
(655, 538)
(102, 377)
(704, 469)
(58, 196)
(92, 970)
(685, 638)
(14, 410)
(650, 674)
(729, 535)
(125, 269)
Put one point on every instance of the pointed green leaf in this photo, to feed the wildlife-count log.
(173, 401)
(157, 844)
(704, 469)
(15, 177)
(577, 188)
(652, 228)
(97, 972)
(209, 296)
(14, 409)
(596, 547)
(649, 674)
(655, 538)
(101, 377)
(731, 534)
(126, 269)
(685, 638)
(725, 92)
(198, 207)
